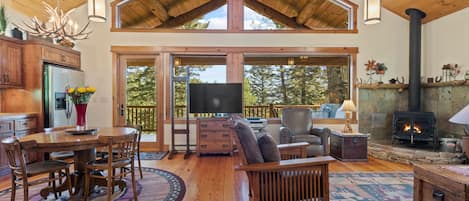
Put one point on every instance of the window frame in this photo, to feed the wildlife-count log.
(235, 21)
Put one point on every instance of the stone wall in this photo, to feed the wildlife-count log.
(413, 156)
(376, 105)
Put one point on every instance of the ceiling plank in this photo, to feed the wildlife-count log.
(307, 11)
(180, 7)
(433, 8)
(156, 8)
(193, 14)
(273, 14)
(281, 6)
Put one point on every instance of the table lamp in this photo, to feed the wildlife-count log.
(462, 117)
(348, 107)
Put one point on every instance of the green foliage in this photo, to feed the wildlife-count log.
(3, 19)
(141, 86)
(249, 98)
(180, 87)
(196, 24)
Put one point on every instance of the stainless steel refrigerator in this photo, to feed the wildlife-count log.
(58, 109)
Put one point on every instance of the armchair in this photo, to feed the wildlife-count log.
(297, 126)
(298, 178)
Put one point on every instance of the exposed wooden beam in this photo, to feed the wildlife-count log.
(308, 11)
(156, 8)
(272, 14)
(193, 14)
(317, 19)
(148, 22)
(181, 7)
(281, 6)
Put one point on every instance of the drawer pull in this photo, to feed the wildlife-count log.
(25, 124)
(438, 195)
(225, 145)
(226, 135)
(226, 125)
(203, 146)
(204, 135)
(203, 125)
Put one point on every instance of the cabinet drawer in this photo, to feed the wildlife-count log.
(61, 57)
(214, 125)
(6, 126)
(215, 147)
(215, 136)
(25, 124)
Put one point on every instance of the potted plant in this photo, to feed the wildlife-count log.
(3, 20)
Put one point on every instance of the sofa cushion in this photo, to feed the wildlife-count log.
(268, 148)
(248, 141)
(311, 139)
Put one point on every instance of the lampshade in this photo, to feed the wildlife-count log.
(372, 12)
(97, 10)
(462, 117)
(348, 106)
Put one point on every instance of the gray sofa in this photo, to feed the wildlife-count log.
(297, 126)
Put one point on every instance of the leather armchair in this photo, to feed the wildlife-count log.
(297, 126)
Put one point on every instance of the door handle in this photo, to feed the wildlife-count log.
(122, 110)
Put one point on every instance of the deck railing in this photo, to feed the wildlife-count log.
(142, 115)
(146, 115)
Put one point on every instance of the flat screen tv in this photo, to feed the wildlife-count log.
(216, 98)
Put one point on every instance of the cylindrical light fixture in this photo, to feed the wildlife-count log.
(372, 11)
(97, 10)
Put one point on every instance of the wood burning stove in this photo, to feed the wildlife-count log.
(414, 128)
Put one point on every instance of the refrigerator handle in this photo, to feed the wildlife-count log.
(68, 107)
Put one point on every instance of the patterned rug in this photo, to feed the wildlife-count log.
(153, 155)
(156, 185)
(395, 186)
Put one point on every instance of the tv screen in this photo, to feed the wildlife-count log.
(216, 98)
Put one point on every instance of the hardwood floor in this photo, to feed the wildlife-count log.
(213, 177)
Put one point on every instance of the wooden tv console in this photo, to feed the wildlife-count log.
(214, 136)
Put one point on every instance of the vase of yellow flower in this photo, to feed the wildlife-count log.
(80, 96)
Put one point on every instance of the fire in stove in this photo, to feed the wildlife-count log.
(416, 129)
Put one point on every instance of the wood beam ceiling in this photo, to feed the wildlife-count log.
(156, 8)
(193, 14)
(273, 14)
(433, 8)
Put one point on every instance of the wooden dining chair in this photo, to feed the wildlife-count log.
(21, 172)
(124, 148)
(60, 155)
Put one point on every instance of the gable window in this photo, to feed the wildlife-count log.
(234, 16)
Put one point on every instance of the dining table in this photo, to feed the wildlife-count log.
(83, 146)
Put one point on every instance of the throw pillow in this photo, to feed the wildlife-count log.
(248, 141)
(269, 148)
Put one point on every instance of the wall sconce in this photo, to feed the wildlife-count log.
(291, 61)
(97, 10)
(177, 61)
(372, 12)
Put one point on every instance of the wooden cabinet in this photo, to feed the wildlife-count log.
(342, 145)
(11, 63)
(58, 56)
(441, 183)
(214, 136)
(18, 126)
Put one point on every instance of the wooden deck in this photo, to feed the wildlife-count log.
(213, 178)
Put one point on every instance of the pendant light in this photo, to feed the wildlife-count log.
(97, 10)
(372, 12)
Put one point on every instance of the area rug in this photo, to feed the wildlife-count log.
(392, 186)
(153, 155)
(156, 185)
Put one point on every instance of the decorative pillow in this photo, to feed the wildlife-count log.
(248, 141)
(268, 148)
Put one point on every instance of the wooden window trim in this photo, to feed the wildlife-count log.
(235, 69)
(235, 22)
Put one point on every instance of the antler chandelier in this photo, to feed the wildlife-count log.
(59, 26)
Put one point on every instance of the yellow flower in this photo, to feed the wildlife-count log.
(71, 90)
(91, 89)
(81, 90)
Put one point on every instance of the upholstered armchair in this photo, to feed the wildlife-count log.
(297, 126)
(280, 172)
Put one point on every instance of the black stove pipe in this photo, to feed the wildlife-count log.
(415, 40)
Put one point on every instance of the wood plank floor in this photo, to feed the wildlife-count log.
(213, 178)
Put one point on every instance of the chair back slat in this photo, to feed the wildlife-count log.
(122, 147)
(15, 155)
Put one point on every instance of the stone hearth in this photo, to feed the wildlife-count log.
(413, 156)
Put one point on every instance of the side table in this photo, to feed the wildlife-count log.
(349, 146)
